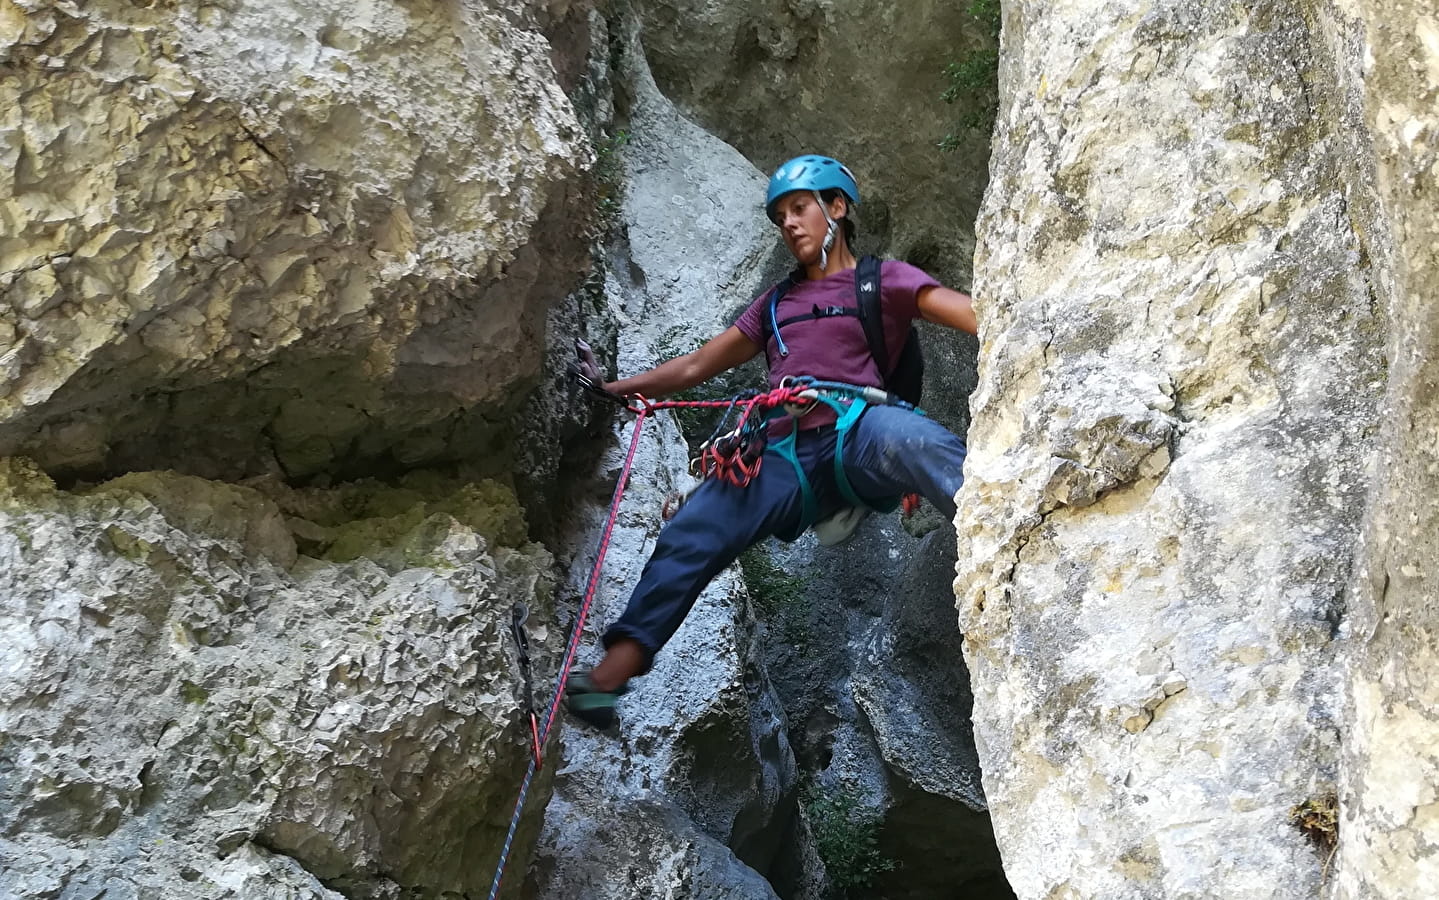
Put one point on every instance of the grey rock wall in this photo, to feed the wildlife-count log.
(235, 247)
(1181, 367)
(192, 708)
(866, 656)
(1387, 57)
(1195, 548)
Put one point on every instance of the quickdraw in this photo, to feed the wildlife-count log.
(733, 455)
(518, 614)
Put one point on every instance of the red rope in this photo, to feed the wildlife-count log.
(645, 407)
(573, 647)
(768, 400)
(594, 581)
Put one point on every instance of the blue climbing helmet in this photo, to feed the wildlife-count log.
(810, 173)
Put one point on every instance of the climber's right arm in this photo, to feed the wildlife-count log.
(719, 354)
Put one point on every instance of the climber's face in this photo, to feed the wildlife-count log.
(802, 224)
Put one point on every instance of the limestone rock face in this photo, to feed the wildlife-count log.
(192, 709)
(910, 681)
(232, 248)
(688, 798)
(1387, 56)
(1180, 369)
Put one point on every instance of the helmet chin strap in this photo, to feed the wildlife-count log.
(829, 234)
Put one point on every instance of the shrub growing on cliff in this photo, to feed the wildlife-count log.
(1318, 819)
(697, 424)
(846, 835)
(771, 587)
(973, 81)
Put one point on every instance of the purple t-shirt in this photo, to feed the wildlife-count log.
(833, 348)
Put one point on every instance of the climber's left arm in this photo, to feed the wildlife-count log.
(945, 306)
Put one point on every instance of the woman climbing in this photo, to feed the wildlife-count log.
(852, 447)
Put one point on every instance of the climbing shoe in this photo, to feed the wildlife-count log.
(839, 527)
(589, 704)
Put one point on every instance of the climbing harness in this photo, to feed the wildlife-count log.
(849, 402)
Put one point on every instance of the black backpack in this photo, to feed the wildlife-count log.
(905, 379)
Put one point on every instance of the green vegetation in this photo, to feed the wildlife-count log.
(846, 834)
(610, 178)
(129, 546)
(778, 596)
(697, 424)
(191, 692)
(1318, 818)
(973, 81)
(361, 516)
(772, 588)
(673, 342)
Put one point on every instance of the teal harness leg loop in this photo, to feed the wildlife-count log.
(784, 447)
(857, 406)
(846, 421)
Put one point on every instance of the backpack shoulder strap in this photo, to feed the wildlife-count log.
(771, 315)
(866, 292)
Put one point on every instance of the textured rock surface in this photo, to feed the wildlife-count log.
(1180, 366)
(232, 248)
(1388, 59)
(329, 249)
(191, 709)
(687, 800)
(910, 678)
(861, 643)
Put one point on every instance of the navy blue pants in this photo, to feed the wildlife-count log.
(887, 453)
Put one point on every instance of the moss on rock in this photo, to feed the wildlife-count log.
(21, 480)
(213, 509)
